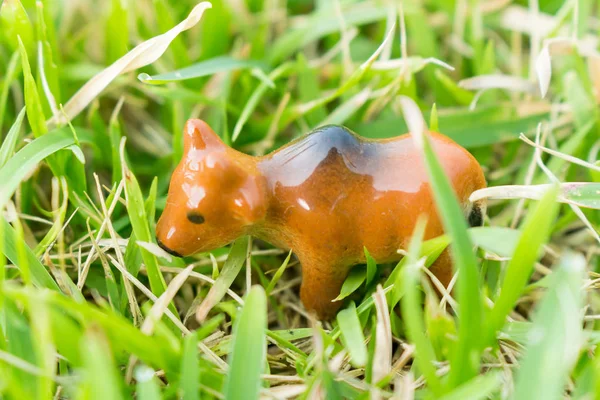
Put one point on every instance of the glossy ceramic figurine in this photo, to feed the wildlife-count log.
(325, 196)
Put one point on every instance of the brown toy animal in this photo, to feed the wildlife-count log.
(326, 196)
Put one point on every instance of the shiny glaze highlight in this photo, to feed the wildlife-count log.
(326, 196)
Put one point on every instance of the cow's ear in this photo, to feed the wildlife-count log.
(197, 134)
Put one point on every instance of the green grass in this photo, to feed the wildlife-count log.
(91, 309)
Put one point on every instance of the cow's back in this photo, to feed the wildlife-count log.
(337, 192)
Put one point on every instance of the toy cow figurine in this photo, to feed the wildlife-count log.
(326, 196)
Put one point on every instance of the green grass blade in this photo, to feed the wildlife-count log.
(347, 109)
(466, 358)
(579, 98)
(433, 119)
(536, 231)
(10, 75)
(464, 126)
(321, 23)
(22, 253)
(101, 377)
(15, 22)
(11, 246)
(67, 335)
(2, 270)
(255, 98)
(352, 335)
(460, 95)
(465, 362)
(122, 334)
(190, 370)
(278, 274)
(355, 279)
(203, 68)
(209, 326)
(308, 89)
(371, 266)
(114, 133)
(480, 387)
(10, 142)
(139, 224)
(165, 20)
(19, 343)
(35, 112)
(57, 226)
(249, 348)
(215, 32)
(150, 205)
(44, 348)
(494, 239)
(147, 384)
(26, 159)
(555, 340)
(581, 194)
(117, 30)
(413, 314)
(46, 41)
(431, 249)
(343, 88)
(231, 269)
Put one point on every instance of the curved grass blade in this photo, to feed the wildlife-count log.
(26, 159)
(143, 54)
(249, 348)
(204, 68)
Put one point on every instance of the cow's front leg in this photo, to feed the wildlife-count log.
(321, 283)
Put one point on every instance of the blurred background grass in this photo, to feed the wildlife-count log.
(91, 308)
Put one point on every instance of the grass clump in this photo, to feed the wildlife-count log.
(93, 100)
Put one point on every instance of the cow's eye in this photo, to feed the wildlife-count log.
(195, 218)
